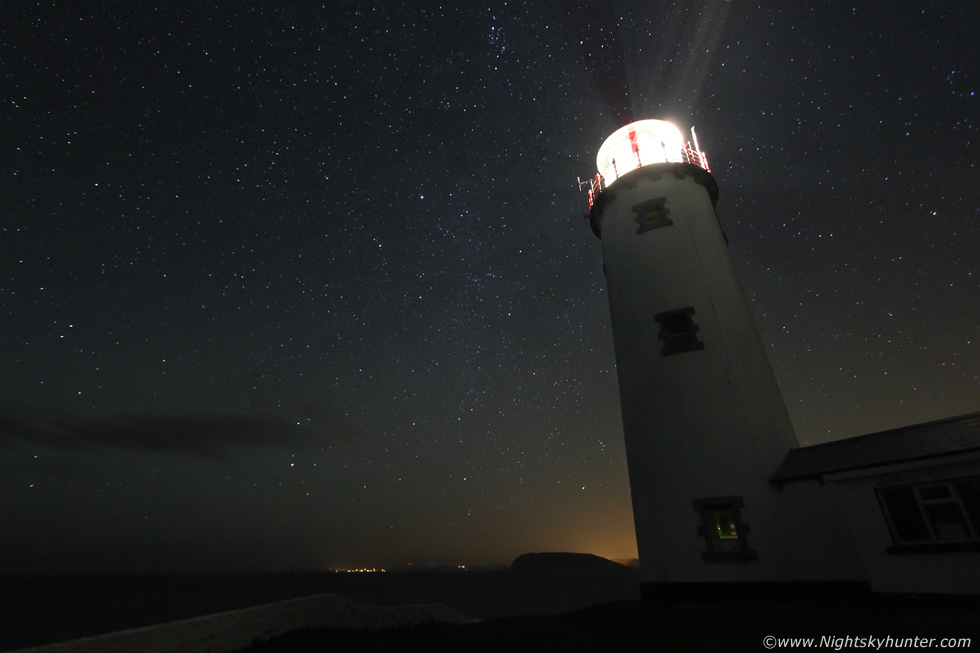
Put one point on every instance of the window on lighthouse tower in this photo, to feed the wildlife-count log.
(722, 522)
(678, 331)
(724, 532)
(652, 214)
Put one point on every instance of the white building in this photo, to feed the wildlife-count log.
(909, 496)
(705, 426)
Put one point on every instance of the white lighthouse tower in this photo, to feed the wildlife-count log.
(704, 421)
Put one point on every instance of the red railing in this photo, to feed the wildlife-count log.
(694, 157)
(594, 189)
(688, 154)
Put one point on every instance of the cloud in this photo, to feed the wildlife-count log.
(202, 435)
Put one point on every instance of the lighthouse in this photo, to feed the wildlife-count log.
(703, 418)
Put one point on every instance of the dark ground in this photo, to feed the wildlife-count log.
(39, 610)
(638, 626)
(543, 610)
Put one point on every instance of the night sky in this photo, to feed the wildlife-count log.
(295, 287)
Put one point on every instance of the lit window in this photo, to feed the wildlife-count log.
(652, 214)
(721, 519)
(933, 513)
(724, 532)
(678, 331)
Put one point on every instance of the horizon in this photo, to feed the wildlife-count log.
(409, 567)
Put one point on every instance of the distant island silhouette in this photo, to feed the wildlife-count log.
(532, 561)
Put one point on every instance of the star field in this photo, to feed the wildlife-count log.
(301, 287)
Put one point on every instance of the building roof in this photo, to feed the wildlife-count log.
(917, 442)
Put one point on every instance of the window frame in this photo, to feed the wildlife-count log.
(676, 343)
(934, 543)
(713, 551)
(644, 223)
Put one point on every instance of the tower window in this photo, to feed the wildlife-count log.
(932, 514)
(652, 214)
(724, 532)
(678, 331)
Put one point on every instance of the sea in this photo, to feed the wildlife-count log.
(38, 610)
